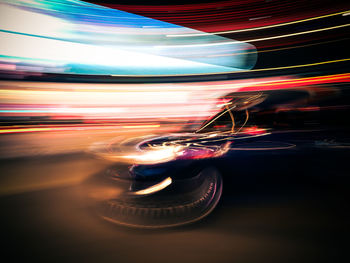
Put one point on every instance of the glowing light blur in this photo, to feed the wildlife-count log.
(153, 156)
(72, 36)
(154, 103)
(77, 37)
(155, 188)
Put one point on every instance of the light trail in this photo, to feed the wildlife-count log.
(24, 129)
(344, 13)
(251, 70)
(257, 39)
(154, 188)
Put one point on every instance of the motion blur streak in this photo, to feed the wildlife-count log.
(23, 129)
(155, 188)
(60, 39)
(225, 17)
(112, 102)
(266, 38)
(151, 115)
(134, 102)
(298, 33)
(266, 27)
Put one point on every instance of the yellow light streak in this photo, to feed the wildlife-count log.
(232, 119)
(217, 117)
(343, 13)
(297, 66)
(258, 39)
(25, 130)
(155, 188)
(297, 34)
(305, 80)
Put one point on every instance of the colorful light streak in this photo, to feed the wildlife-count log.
(138, 103)
(227, 17)
(265, 27)
(59, 38)
(25, 129)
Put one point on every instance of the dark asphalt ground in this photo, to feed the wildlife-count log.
(274, 208)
